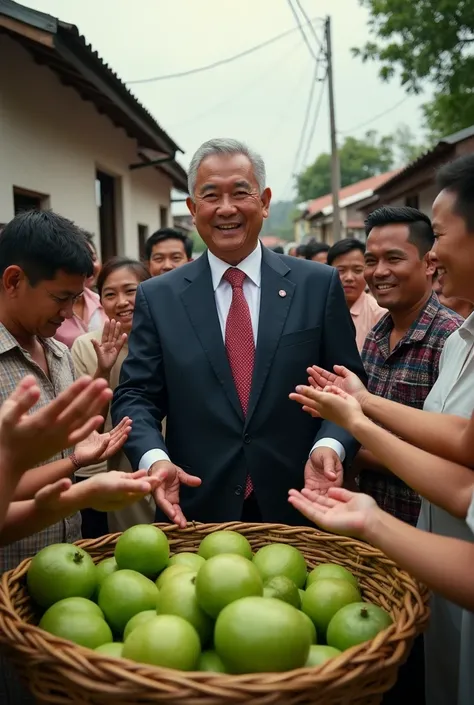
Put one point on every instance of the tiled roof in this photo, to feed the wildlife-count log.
(365, 188)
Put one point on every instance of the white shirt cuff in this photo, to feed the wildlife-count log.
(150, 457)
(331, 443)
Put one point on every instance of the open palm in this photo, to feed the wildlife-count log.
(99, 447)
(109, 346)
(343, 378)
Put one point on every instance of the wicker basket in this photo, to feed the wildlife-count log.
(58, 671)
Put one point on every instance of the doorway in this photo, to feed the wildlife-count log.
(106, 203)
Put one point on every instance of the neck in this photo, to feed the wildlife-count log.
(233, 258)
(403, 320)
(14, 327)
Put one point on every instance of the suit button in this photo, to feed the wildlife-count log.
(247, 438)
(238, 490)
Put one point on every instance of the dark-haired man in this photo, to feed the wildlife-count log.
(347, 256)
(316, 251)
(166, 250)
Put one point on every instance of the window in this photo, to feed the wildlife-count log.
(413, 201)
(163, 217)
(24, 200)
(105, 189)
(142, 238)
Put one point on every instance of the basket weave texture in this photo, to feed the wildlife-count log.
(58, 671)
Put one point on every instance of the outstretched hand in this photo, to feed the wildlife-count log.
(99, 447)
(109, 347)
(341, 511)
(332, 404)
(166, 495)
(343, 378)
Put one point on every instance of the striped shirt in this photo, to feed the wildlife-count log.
(15, 363)
(406, 375)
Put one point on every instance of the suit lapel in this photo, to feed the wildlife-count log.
(275, 301)
(199, 301)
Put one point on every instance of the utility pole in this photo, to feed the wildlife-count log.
(335, 166)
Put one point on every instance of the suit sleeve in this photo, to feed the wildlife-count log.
(141, 393)
(339, 348)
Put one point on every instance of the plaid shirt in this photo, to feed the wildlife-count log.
(405, 375)
(15, 363)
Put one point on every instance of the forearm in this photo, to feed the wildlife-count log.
(439, 434)
(444, 564)
(26, 518)
(8, 484)
(33, 480)
(442, 482)
(101, 374)
(366, 460)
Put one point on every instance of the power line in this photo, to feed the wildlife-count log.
(375, 117)
(300, 27)
(221, 62)
(315, 121)
(311, 28)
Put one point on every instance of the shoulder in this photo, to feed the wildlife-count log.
(83, 353)
(301, 269)
(446, 321)
(84, 341)
(172, 280)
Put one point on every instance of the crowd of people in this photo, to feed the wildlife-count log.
(171, 389)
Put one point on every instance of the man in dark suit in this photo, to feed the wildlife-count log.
(216, 348)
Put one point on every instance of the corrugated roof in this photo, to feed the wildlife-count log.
(348, 192)
(79, 65)
(443, 147)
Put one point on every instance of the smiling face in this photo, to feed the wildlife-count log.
(167, 255)
(453, 251)
(227, 206)
(398, 277)
(118, 296)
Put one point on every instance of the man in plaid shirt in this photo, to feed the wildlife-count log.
(401, 353)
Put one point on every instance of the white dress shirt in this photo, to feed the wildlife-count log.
(252, 266)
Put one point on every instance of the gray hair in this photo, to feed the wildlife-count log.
(223, 145)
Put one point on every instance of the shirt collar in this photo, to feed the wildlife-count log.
(9, 342)
(357, 306)
(251, 266)
(418, 329)
(466, 331)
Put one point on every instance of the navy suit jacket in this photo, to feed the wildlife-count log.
(177, 368)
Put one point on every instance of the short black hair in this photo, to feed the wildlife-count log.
(343, 247)
(458, 178)
(114, 263)
(42, 243)
(314, 248)
(168, 234)
(301, 251)
(420, 230)
(278, 249)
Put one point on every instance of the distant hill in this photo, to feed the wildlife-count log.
(280, 220)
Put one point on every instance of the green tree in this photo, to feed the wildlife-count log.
(427, 42)
(359, 159)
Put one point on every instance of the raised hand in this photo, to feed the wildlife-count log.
(166, 496)
(332, 404)
(99, 447)
(105, 492)
(341, 511)
(27, 440)
(341, 377)
(109, 347)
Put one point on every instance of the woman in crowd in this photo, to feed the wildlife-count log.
(88, 313)
(101, 354)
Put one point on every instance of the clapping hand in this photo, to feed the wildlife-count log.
(27, 440)
(99, 447)
(341, 511)
(332, 404)
(341, 377)
(109, 347)
(104, 492)
(170, 478)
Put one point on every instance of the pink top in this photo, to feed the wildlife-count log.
(94, 319)
(365, 313)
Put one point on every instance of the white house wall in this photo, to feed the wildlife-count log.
(52, 142)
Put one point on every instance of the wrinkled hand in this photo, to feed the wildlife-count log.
(102, 446)
(323, 470)
(104, 492)
(109, 347)
(341, 377)
(166, 496)
(332, 404)
(27, 440)
(341, 511)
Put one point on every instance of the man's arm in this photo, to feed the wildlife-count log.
(339, 344)
(141, 394)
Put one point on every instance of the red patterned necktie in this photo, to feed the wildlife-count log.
(240, 345)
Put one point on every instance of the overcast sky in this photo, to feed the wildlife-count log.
(261, 98)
